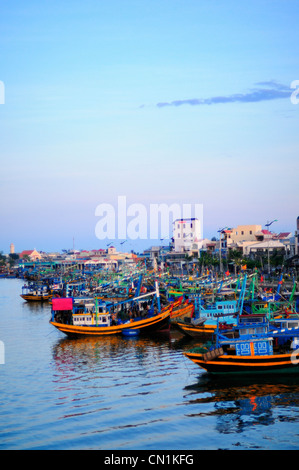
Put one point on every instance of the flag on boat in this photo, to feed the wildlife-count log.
(62, 304)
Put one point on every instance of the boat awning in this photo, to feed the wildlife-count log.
(62, 304)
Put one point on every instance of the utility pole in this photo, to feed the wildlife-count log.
(220, 247)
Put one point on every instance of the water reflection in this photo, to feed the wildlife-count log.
(242, 402)
(113, 355)
(37, 307)
(128, 393)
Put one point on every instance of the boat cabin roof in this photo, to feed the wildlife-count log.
(253, 318)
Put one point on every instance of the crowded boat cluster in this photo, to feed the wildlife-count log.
(238, 323)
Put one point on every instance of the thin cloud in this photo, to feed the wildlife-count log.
(265, 91)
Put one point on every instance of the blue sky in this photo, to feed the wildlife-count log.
(161, 101)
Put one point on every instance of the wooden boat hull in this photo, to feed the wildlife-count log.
(36, 298)
(246, 364)
(181, 311)
(146, 325)
(196, 331)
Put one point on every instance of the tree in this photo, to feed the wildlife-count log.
(2, 258)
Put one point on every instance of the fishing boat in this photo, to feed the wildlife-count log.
(251, 347)
(205, 323)
(201, 329)
(93, 317)
(181, 310)
(35, 293)
(208, 317)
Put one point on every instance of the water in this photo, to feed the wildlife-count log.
(127, 393)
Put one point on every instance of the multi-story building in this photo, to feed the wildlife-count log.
(33, 255)
(252, 240)
(241, 233)
(185, 233)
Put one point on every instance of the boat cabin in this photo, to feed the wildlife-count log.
(223, 307)
(252, 338)
(91, 319)
(91, 314)
(255, 347)
(252, 326)
(34, 289)
(286, 323)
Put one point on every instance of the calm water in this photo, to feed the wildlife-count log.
(127, 394)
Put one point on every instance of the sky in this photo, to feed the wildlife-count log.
(158, 102)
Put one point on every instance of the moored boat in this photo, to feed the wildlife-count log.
(96, 317)
(32, 293)
(249, 348)
(208, 316)
(89, 325)
(202, 328)
(231, 363)
(181, 309)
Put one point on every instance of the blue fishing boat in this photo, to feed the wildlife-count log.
(252, 346)
(208, 316)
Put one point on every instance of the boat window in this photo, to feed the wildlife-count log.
(251, 331)
(219, 307)
(260, 330)
(247, 331)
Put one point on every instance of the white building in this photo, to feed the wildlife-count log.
(185, 233)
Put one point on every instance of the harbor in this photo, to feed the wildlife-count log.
(149, 242)
(138, 393)
(141, 358)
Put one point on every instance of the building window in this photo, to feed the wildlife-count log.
(242, 233)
